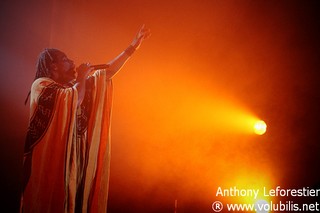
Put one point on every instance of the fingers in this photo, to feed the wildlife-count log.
(144, 32)
(84, 69)
(147, 34)
(85, 66)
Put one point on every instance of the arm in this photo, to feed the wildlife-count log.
(83, 71)
(117, 63)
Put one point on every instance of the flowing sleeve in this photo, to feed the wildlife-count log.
(48, 146)
(49, 100)
(96, 178)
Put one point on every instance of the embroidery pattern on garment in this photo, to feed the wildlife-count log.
(42, 117)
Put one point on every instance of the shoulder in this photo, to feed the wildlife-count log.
(41, 83)
(42, 86)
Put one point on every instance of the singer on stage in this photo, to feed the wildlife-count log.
(67, 149)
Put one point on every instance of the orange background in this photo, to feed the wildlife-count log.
(184, 103)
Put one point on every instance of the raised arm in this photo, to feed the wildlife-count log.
(117, 63)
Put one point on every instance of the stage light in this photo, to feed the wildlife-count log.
(260, 127)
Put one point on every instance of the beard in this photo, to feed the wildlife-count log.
(67, 76)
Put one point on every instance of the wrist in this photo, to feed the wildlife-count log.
(130, 50)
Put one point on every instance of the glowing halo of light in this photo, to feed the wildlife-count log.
(260, 127)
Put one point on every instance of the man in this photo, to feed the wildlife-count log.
(67, 150)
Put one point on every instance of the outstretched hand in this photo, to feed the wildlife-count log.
(143, 34)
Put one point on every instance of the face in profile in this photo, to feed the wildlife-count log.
(63, 69)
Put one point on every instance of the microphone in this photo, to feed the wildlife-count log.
(99, 66)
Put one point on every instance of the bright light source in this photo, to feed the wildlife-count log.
(260, 127)
(262, 206)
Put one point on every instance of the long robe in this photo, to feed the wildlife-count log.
(67, 150)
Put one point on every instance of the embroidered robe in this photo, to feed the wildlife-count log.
(67, 150)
